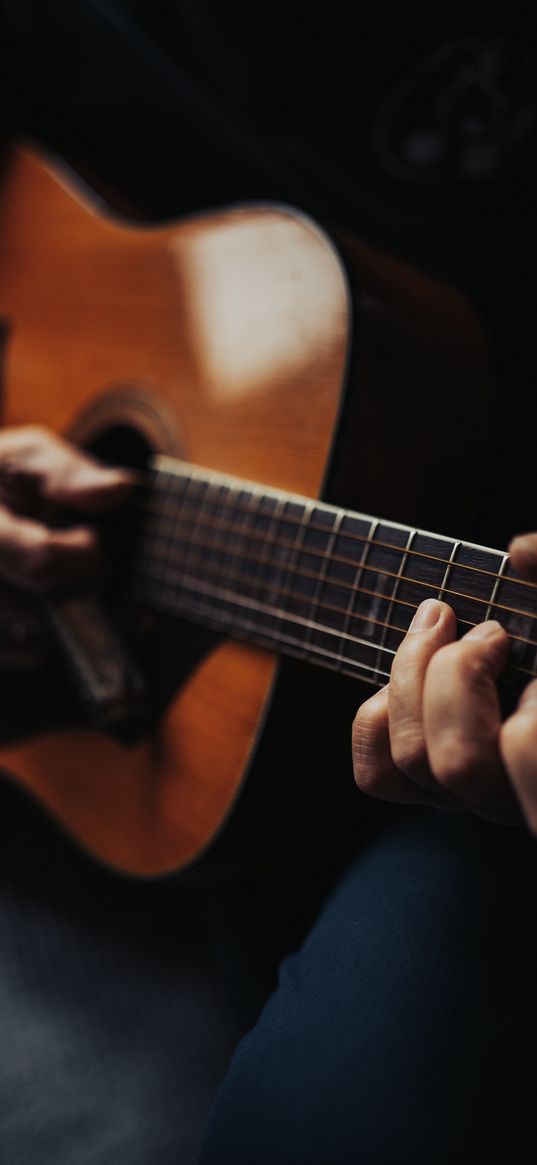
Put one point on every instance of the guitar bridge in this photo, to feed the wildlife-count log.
(107, 677)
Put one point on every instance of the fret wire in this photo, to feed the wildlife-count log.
(232, 537)
(172, 602)
(223, 595)
(287, 592)
(274, 566)
(492, 603)
(236, 599)
(214, 542)
(347, 612)
(190, 545)
(246, 531)
(355, 588)
(451, 561)
(463, 567)
(292, 647)
(403, 578)
(264, 558)
(272, 492)
(346, 636)
(313, 602)
(152, 543)
(170, 503)
(292, 567)
(212, 496)
(400, 576)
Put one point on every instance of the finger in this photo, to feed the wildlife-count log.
(523, 551)
(59, 472)
(38, 558)
(433, 625)
(462, 721)
(518, 748)
(374, 771)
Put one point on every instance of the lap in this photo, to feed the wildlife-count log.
(397, 1025)
(396, 1030)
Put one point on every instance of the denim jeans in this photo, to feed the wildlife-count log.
(133, 1017)
(400, 1032)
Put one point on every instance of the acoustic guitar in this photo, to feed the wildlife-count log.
(252, 366)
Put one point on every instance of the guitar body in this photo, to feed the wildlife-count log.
(246, 342)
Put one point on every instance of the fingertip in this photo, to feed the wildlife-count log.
(487, 630)
(75, 538)
(492, 640)
(427, 616)
(99, 489)
(429, 613)
(523, 551)
(489, 645)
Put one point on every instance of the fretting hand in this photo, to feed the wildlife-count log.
(434, 735)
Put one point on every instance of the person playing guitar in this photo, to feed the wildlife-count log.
(368, 995)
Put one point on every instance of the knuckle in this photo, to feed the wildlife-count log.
(20, 439)
(365, 752)
(22, 450)
(375, 777)
(449, 663)
(459, 665)
(407, 656)
(409, 751)
(367, 780)
(36, 434)
(372, 780)
(368, 775)
(455, 762)
(366, 720)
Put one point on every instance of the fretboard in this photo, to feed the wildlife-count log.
(308, 579)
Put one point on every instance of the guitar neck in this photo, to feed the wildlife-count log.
(308, 579)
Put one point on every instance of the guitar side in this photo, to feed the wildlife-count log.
(226, 340)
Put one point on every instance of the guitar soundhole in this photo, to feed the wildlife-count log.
(127, 425)
(121, 445)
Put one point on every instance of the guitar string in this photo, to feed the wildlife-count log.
(242, 487)
(221, 595)
(364, 540)
(258, 634)
(280, 543)
(193, 583)
(352, 589)
(322, 605)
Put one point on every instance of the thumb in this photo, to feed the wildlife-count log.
(81, 482)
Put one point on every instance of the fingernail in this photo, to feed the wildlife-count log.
(427, 614)
(484, 630)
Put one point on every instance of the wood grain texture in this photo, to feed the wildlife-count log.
(234, 326)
